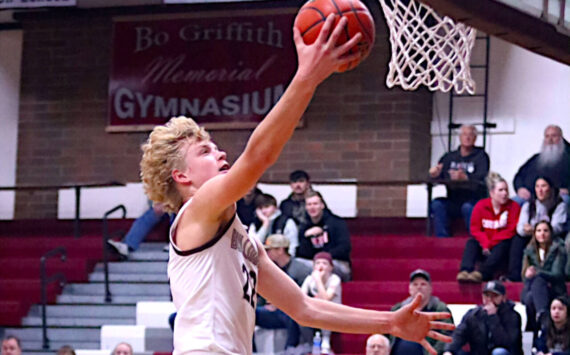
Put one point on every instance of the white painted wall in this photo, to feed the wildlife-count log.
(341, 199)
(10, 59)
(526, 93)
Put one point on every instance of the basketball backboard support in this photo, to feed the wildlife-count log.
(541, 26)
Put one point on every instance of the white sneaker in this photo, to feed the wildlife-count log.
(119, 247)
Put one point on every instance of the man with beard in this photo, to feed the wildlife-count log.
(553, 162)
(294, 205)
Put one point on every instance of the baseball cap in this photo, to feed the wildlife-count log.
(495, 287)
(276, 241)
(420, 273)
(323, 255)
(298, 175)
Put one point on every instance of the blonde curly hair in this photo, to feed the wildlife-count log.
(163, 152)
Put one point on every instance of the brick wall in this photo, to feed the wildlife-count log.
(354, 128)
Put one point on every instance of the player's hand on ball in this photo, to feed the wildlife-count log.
(319, 60)
(412, 324)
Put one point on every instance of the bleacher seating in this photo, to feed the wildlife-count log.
(382, 260)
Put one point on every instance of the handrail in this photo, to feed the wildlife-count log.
(76, 186)
(106, 236)
(44, 281)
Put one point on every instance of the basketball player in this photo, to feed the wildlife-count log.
(215, 270)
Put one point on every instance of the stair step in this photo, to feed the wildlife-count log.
(134, 267)
(91, 311)
(78, 321)
(152, 246)
(56, 334)
(408, 247)
(35, 347)
(375, 269)
(115, 299)
(100, 277)
(148, 255)
(123, 289)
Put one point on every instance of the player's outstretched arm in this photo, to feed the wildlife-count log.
(316, 62)
(406, 323)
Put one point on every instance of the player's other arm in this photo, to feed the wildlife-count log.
(316, 62)
(408, 323)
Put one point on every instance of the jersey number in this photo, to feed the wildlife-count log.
(249, 286)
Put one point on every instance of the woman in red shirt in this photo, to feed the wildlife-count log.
(493, 224)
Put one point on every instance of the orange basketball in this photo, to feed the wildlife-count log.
(312, 16)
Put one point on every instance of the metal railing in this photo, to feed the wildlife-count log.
(45, 280)
(77, 187)
(106, 237)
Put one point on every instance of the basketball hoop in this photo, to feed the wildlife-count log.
(427, 48)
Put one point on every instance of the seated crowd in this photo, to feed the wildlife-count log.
(520, 238)
(523, 238)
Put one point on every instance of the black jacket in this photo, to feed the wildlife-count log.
(484, 333)
(475, 165)
(294, 209)
(338, 244)
(559, 174)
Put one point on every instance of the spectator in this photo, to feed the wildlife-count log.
(493, 224)
(325, 285)
(11, 345)
(468, 163)
(493, 328)
(543, 272)
(377, 344)
(277, 246)
(554, 337)
(568, 255)
(266, 315)
(294, 205)
(324, 231)
(420, 282)
(246, 206)
(552, 162)
(140, 228)
(547, 206)
(270, 220)
(123, 349)
(66, 350)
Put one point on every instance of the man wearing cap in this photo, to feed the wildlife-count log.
(294, 205)
(324, 285)
(420, 282)
(277, 247)
(377, 344)
(266, 315)
(492, 328)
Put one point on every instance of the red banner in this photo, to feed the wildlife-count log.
(225, 70)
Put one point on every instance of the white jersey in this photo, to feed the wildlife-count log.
(214, 290)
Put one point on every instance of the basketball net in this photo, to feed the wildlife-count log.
(427, 48)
